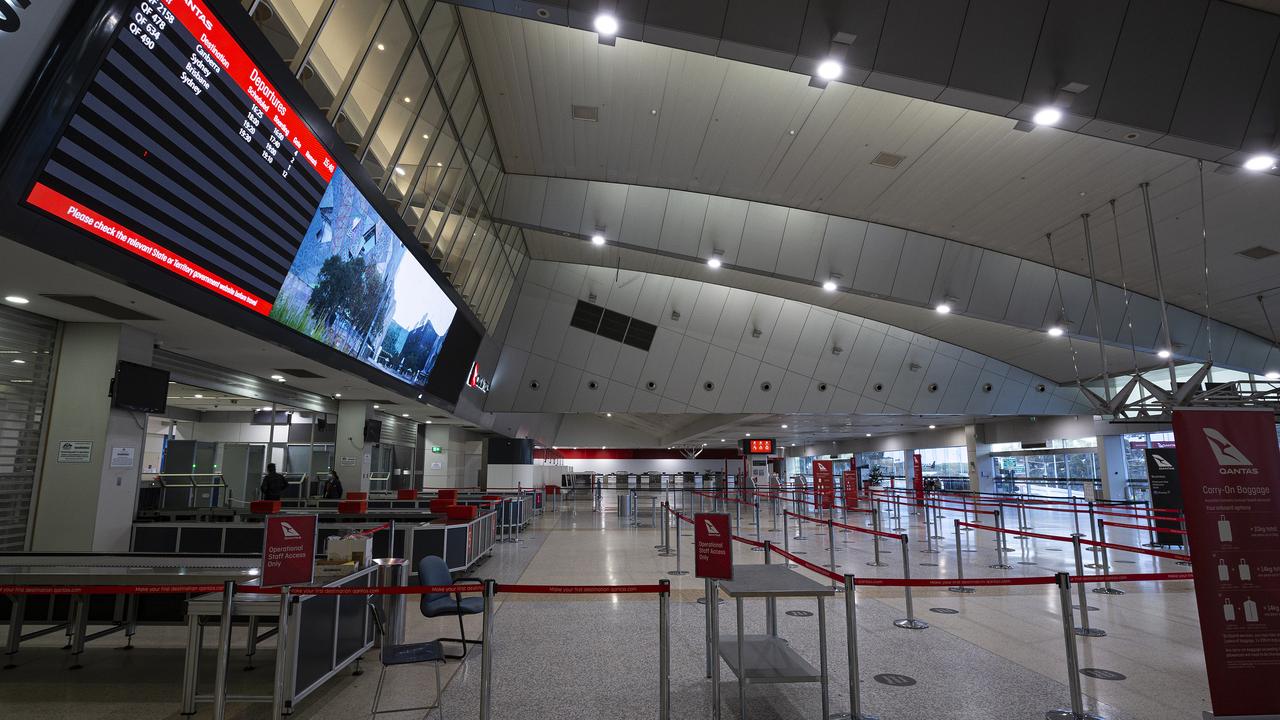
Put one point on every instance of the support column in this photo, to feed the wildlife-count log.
(352, 455)
(86, 502)
(1112, 468)
(978, 453)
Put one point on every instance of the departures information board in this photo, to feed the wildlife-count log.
(184, 154)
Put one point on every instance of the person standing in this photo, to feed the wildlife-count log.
(273, 484)
(333, 486)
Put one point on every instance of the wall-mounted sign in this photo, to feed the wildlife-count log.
(436, 449)
(75, 451)
(1166, 491)
(475, 380)
(824, 483)
(758, 446)
(122, 457)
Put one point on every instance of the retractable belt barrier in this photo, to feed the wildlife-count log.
(1109, 523)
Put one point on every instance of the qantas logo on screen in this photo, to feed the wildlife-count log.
(288, 530)
(1230, 459)
(475, 381)
(711, 529)
(1161, 462)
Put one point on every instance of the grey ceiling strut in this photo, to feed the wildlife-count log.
(1097, 309)
(1155, 262)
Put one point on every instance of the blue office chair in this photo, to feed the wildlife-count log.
(406, 654)
(432, 570)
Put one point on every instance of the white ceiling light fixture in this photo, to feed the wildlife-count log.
(1055, 331)
(830, 69)
(1260, 162)
(16, 300)
(376, 407)
(381, 47)
(1163, 354)
(197, 396)
(597, 239)
(264, 409)
(784, 426)
(1273, 375)
(606, 24)
(608, 414)
(715, 261)
(400, 171)
(942, 308)
(868, 434)
(405, 415)
(337, 395)
(428, 422)
(748, 434)
(18, 362)
(1047, 116)
(933, 427)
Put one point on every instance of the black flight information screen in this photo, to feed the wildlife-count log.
(182, 153)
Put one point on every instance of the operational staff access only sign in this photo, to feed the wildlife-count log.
(712, 546)
(1229, 467)
(289, 553)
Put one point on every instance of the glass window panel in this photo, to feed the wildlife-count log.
(455, 214)
(489, 184)
(285, 23)
(438, 32)
(401, 111)
(467, 230)
(418, 9)
(478, 257)
(431, 181)
(426, 129)
(374, 76)
(347, 33)
(452, 70)
(468, 256)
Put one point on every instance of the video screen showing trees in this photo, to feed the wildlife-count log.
(354, 287)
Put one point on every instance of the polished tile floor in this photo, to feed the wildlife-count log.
(1001, 654)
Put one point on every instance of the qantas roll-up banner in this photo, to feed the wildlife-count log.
(823, 483)
(1229, 465)
(1166, 491)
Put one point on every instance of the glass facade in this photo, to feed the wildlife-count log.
(396, 80)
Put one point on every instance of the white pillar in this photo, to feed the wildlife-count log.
(1112, 468)
(352, 456)
(978, 454)
(89, 506)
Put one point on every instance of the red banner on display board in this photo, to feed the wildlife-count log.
(917, 468)
(712, 546)
(1229, 466)
(289, 553)
(824, 488)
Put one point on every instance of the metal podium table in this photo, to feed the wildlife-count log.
(760, 659)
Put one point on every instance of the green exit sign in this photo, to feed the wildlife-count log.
(436, 449)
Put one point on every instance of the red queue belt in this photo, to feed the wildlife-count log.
(307, 590)
(820, 521)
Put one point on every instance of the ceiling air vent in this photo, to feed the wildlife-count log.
(888, 160)
(300, 373)
(590, 113)
(102, 307)
(1258, 252)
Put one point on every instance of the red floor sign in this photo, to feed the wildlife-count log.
(713, 546)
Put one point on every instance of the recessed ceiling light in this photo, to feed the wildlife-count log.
(439, 164)
(337, 394)
(16, 299)
(196, 396)
(829, 69)
(375, 407)
(933, 427)
(943, 308)
(791, 132)
(1260, 162)
(1162, 353)
(829, 286)
(784, 426)
(721, 439)
(408, 99)
(606, 24)
(405, 415)
(381, 47)
(1055, 331)
(18, 362)
(704, 444)
(277, 377)
(653, 112)
(264, 409)
(1273, 375)
(399, 170)
(428, 422)
(868, 434)
(1047, 116)
(713, 262)
(604, 447)
(608, 414)
(597, 239)
(748, 434)
(425, 136)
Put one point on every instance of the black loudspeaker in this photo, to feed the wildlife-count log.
(322, 423)
(372, 430)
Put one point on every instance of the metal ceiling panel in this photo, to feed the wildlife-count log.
(862, 18)
(688, 365)
(523, 198)
(554, 324)
(1261, 133)
(939, 373)
(537, 371)
(763, 32)
(817, 398)
(737, 384)
(994, 285)
(617, 397)
(959, 389)
(765, 226)
(722, 229)
(884, 371)
(916, 277)
(1075, 296)
(575, 347)
(590, 393)
(917, 46)
(506, 377)
(862, 358)
(693, 26)
(844, 331)
(569, 280)
(662, 355)
(910, 377)
(1151, 59)
(645, 401)
(528, 314)
(603, 356)
(1009, 399)
(801, 243)
(655, 289)
(642, 219)
(733, 319)
(787, 399)
(957, 272)
(706, 312)
(1225, 76)
(878, 264)
(812, 344)
(1076, 43)
(680, 304)
(841, 247)
(715, 369)
(758, 398)
(682, 222)
(786, 333)
(982, 400)
(764, 317)
(628, 366)
(564, 203)
(997, 44)
(605, 203)
(561, 392)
